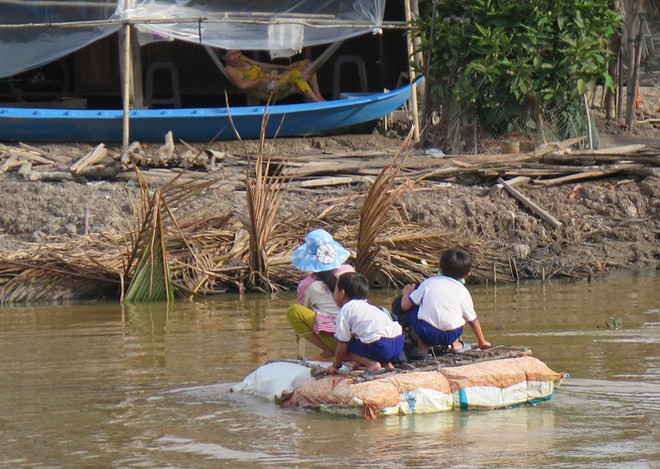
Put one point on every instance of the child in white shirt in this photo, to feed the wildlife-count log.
(441, 305)
(365, 333)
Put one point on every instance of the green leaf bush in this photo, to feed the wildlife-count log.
(498, 57)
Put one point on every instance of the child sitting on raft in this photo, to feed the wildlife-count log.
(440, 306)
(366, 334)
(321, 259)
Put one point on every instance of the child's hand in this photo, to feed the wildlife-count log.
(331, 370)
(484, 345)
(408, 289)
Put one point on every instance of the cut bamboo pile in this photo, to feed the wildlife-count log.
(551, 164)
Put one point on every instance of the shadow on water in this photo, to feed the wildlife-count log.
(101, 385)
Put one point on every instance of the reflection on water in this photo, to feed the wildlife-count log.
(101, 385)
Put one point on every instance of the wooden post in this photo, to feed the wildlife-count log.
(589, 127)
(426, 101)
(137, 89)
(126, 73)
(413, 74)
(619, 85)
(631, 19)
(417, 47)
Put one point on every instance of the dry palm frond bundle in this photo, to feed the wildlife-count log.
(168, 236)
(151, 280)
(53, 282)
(409, 257)
(176, 244)
(380, 199)
(264, 196)
(60, 271)
(157, 219)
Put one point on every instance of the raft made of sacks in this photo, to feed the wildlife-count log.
(491, 384)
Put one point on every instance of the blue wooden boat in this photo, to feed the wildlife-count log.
(196, 125)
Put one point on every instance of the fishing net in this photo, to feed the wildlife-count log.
(460, 129)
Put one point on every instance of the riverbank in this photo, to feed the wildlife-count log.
(581, 223)
(605, 223)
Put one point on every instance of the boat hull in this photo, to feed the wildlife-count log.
(198, 124)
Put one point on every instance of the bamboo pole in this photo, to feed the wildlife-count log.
(417, 46)
(589, 128)
(619, 85)
(633, 81)
(318, 24)
(427, 86)
(413, 73)
(125, 88)
(137, 90)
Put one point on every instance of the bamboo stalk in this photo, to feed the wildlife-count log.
(412, 71)
(307, 20)
(125, 41)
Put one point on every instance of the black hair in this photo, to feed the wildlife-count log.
(355, 285)
(455, 263)
(328, 277)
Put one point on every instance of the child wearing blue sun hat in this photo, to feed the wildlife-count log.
(321, 259)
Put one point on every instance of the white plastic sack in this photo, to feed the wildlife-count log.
(273, 380)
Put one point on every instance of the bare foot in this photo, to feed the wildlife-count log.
(457, 345)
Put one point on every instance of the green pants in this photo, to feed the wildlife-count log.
(302, 321)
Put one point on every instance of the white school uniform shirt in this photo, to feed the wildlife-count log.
(443, 302)
(366, 322)
(318, 298)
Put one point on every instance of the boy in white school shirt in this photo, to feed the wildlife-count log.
(441, 305)
(365, 333)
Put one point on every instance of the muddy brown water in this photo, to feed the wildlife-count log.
(94, 385)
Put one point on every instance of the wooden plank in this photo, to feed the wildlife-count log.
(576, 177)
(622, 150)
(602, 158)
(93, 157)
(546, 216)
(29, 156)
(550, 147)
(516, 181)
(332, 181)
(50, 176)
(11, 163)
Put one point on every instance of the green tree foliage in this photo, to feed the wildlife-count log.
(498, 56)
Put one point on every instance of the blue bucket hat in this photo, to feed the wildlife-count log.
(319, 253)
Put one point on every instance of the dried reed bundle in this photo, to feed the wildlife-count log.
(151, 280)
(48, 283)
(380, 198)
(264, 196)
(174, 237)
(147, 260)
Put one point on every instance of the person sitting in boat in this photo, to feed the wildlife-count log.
(438, 309)
(248, 74)
(321, 259)
(365, 333)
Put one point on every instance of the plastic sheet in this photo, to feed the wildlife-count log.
(280, 26)
(29, 47)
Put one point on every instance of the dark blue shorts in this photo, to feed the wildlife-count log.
(383, 350)
(430, 335)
